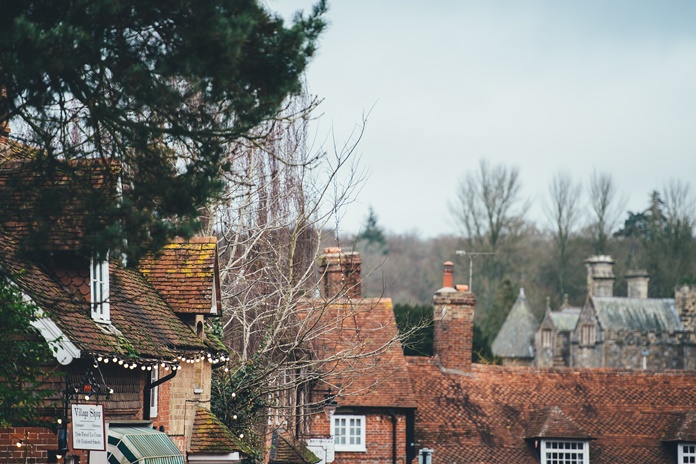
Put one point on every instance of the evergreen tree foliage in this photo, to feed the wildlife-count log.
(160, 87)
(665, 232)
(503, 300)
(372, 233)
(24, 352)
(416, 323)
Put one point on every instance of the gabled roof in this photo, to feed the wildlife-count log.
(489, 414)
(565, 319)
(142, 324)
(286, 450)
(362, 337)
(516, 337)
(636, 314)
(684, 430)
(184, 273)
(552, 423)
(211, 436)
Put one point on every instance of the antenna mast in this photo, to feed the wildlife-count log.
(472, 255)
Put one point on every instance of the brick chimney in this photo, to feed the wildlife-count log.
(600, 275)
(340, 273)
(637, 283)
(453, 317)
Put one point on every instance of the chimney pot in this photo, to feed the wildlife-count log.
(448, 275)
(637, 283)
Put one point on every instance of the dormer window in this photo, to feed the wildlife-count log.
(565, 452)
(687, 453)
(99, 289)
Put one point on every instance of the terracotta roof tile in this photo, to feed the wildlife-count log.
(370, 368)
(486, 416)
(50, 200)
(142, 325)
(184, 274)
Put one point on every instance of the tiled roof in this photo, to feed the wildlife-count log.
(211, 436)
(142, 325)
(566, 319)
(370, 366)
(183, 273)
(286, 450)
(516, 337)
(684, 429)
(552, 423)
(50, 200)
(617, 313)
(489, 414)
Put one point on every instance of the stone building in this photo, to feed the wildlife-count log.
(552, 340)
(632, 332)
(515, 340)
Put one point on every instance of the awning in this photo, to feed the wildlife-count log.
(141, 445)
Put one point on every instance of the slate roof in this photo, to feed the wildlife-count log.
(493, 413)
(516, 337)
(183, 273)
(142, 324)
(370, 367)
(211, 436)
(566, 319)
(636, 314)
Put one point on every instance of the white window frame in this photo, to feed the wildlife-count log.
(686, 453)
(154, 392)
(99, 289)
(565, 452)
(347, 428)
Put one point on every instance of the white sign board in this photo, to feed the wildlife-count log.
(88, 431)
(323, 448)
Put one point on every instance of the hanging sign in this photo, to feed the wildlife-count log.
(88, 431)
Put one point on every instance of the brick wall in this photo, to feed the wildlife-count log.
(378, 438)
(40, 441)
(453, 318)
(183, 400)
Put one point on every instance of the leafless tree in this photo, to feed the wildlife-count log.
(607, 206)
(563, 211)
(284, 197)
(488, 204)
(489, 209)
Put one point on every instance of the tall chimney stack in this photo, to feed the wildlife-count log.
(600, 275)
(340, 273)
(453, 318)
(637, 283)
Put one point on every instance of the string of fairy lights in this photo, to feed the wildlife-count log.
(148, 365)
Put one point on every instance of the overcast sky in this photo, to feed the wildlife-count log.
(542, 85)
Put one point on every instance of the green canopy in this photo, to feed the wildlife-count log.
(141, 445)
